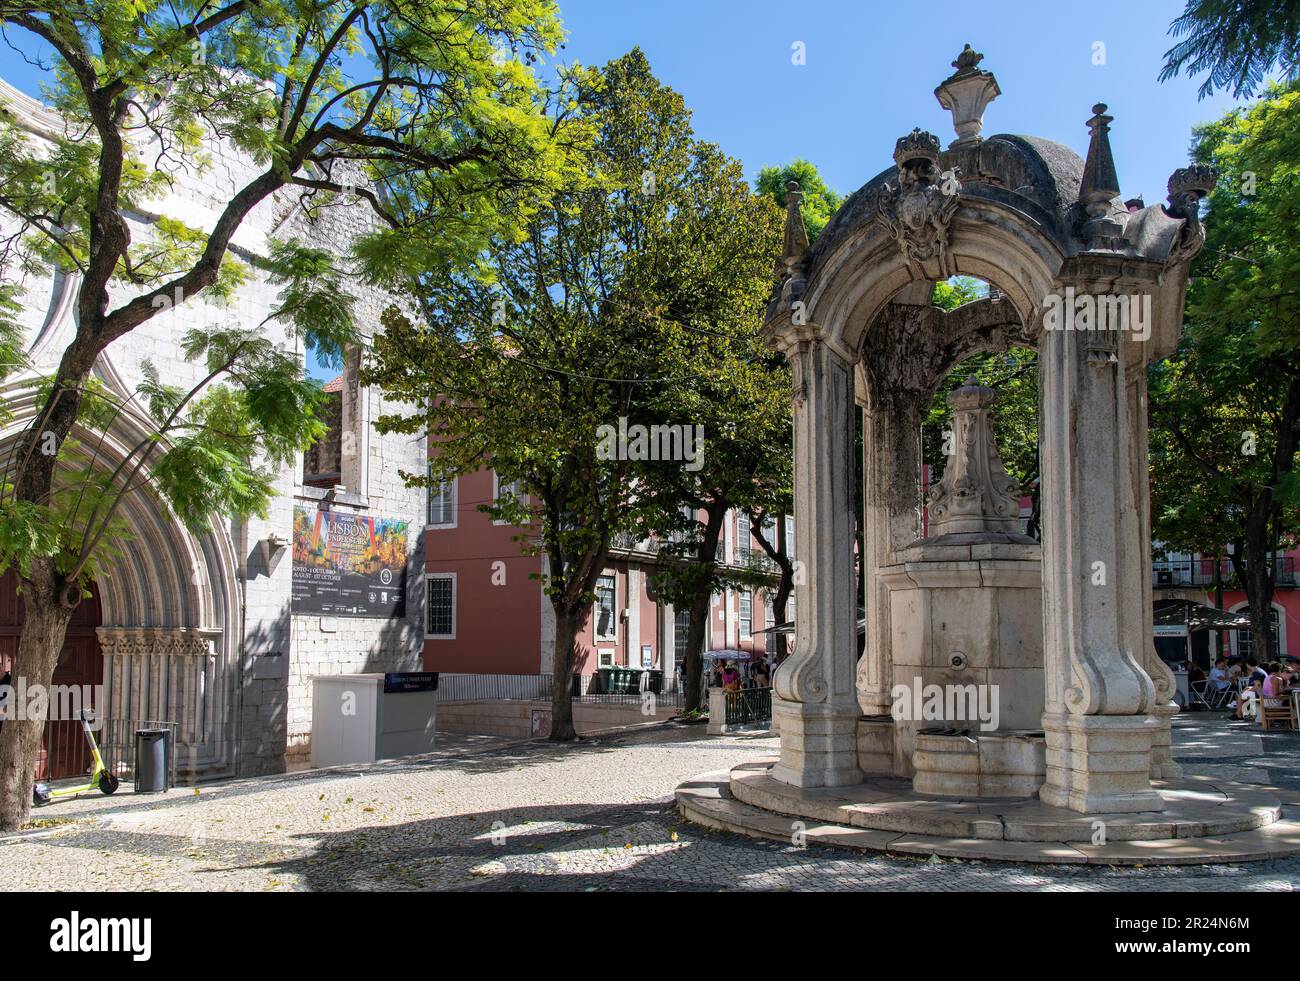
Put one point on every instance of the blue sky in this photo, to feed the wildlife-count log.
(870, 72)
(872, 67)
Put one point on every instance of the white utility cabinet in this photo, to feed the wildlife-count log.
(360, 718)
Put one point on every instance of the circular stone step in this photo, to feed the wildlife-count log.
(708, 800)
(1193, 809)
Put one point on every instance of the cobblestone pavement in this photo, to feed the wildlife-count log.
(490, 815)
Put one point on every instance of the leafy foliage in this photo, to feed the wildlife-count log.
(426, 116)
(819, 201)
(620, 302)
(1225, 410)
(1236, 42)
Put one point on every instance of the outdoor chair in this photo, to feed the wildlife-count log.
(1275, 713)
(1206, 694)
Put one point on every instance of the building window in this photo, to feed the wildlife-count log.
(322, 462)
(1246, 639)
(442, 606)
(442, 504)
(605, 607)
(746, 614)
(606, 657)
(338, 458)
(510, 488)
(681, 633)
(743, 543)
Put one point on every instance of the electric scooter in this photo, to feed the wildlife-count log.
(100, 777)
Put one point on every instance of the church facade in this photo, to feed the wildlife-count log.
(221, 632)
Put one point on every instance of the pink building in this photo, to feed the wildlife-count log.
(1192, 577)
(486, 613)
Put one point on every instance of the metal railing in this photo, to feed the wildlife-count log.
(1200, 572)
(538, 687)
(66, 755)
(749, 705)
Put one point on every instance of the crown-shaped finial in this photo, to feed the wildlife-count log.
(1197, 178)
(916, 145)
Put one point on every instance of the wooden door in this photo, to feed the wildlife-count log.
(65, 753)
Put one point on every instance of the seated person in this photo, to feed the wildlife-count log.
(1276, 684)
(1219, 675)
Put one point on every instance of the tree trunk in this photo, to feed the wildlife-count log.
(45, 623)
(1259, 594)
(567, 624)
(1219, 650)
(694, 664)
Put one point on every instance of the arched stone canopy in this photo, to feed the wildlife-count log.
(1041, 224)
(169, 605)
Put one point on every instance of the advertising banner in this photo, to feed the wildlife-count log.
(348, 565)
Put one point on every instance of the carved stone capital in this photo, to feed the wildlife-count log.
(156, 641)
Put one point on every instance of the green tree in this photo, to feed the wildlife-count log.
(819, 201)
(601, 313)
(1237, 42)
(1225, 410)
(740, 396)
(426, 112)
(749, 466)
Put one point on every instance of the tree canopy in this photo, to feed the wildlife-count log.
(642, 275)
(1225, 410)
(1236, 43)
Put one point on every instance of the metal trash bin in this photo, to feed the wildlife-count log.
(152, 756)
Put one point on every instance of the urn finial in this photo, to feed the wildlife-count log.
(966, 94)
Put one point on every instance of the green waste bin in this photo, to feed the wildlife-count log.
(655, 681)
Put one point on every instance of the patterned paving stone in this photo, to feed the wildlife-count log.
(596, 816)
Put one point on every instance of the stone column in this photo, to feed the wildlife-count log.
(891, 520)
(1165, 708)
(815, 705)
(1098, 699)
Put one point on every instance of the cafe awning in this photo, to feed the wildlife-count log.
(1195, 616)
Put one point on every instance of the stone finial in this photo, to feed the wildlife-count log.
(975, 496)
(966, 94)
(1196, 179)
(796, 234)
(1100, 183)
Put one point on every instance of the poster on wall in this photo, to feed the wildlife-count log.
(348, 565)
